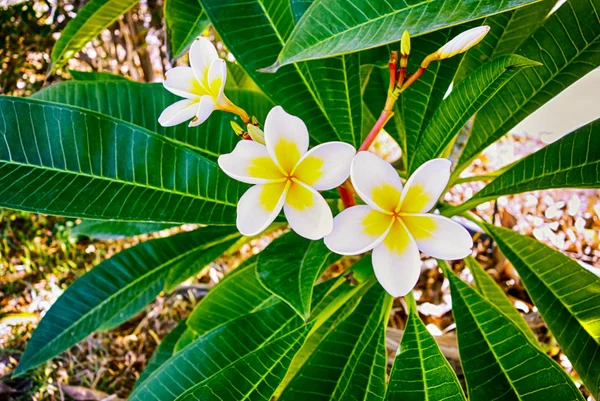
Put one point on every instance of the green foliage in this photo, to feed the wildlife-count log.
(289, 267)
(567, 52)
(95, 76)
(364, 24)
(464, 101)
(498, 360)
(106, 230)
(420, 371)
(105, 169)
(566, 295)
(89, 22)
(184, 21)
(113, 289)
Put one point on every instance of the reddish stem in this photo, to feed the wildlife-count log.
(346, 196)
(383, 119)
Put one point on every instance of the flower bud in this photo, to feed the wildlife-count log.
(405, 44)
(462, 42)
(239, 131)
(256, 134)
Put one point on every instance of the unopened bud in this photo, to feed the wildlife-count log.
(239, 131)
(254, 120)
(462, 42)
(405, 44)
(256, 134)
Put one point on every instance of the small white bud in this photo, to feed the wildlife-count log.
(256, 134)
(462, 42)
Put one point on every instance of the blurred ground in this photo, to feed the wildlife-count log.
(39, 260)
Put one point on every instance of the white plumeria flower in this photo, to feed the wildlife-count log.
(395, 223)
(286, 175)
(201, 85)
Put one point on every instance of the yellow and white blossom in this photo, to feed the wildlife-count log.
(287, 175)
(395, 223)
(201, 85)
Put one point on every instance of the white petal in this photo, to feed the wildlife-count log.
(202, 55)
(376, 181)
(181, 81)
(307, 212)
(439, 236)
(286, 137)
(250, 163)
(217, 74)
(396, 262)
(425, 186)
(357, 230)
(178, 112)
(259, 207)
(463, 42)
(205, 107)
(325, 166)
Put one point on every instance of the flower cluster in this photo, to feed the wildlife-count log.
(395, 222)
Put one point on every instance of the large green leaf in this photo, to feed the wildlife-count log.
(289, 267)
(110, 289)
(508, 31)
(464, 101)
(493, 293)
(350, 362)
(334, 27)
(566, 295)
(89, 22)
(269, 333)
(184, 20)
(420, 371)
(67, 161)
(107, 230)
(498, 360)
(568, 46)
(571, 162)
(325, 94)
(141, 104)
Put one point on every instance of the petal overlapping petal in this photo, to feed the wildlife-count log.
(181, 81)
(202, 55)
(376, 182)
(217, 75)
(286, 137)
(357, 230)
(325, 166)
(205, 108)
(250, 163)
(397, 262)
(307, 212)
(425, 186)
(259, 206)
(439, 236)
(178, 112)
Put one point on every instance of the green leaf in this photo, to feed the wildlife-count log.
(508, 31)
(163, 352)
(289, 267)
(566, 295)
(110, 289)
(67, 161)
(571, 162)
(141, 104)
(466, 99)
(334, 27)
(110, 230)
(498, 360)
(238, 294)
(92, 19)
(237, 78)
(184, 20)
(271, 334)
(96, 76)
(567, 51)
(350, 361)
(420, 371)
(325, 94)
(493, 293)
